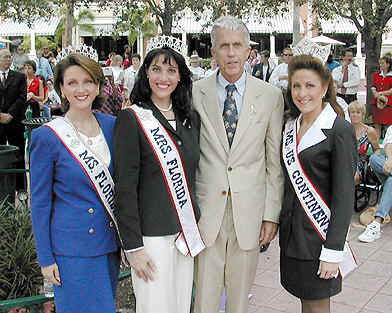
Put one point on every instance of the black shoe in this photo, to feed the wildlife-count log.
(264, 248)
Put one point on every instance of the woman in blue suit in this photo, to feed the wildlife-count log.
(71, 194)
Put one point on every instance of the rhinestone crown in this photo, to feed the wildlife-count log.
(85, 50)
(167, 41)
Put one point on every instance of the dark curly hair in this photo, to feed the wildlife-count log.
(90, 66)
(32, 64)
(307, 62)
(181, 97)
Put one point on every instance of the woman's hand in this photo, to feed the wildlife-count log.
(142, 264)
(388, 167)
(52, 274)
(328, 270)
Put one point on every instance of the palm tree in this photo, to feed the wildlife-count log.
(84, 15)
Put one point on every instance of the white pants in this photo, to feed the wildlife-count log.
(171, 289)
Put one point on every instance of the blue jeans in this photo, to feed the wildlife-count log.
(377, 162)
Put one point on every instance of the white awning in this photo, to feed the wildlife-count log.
(338, 25)
(42, 28)
(282, 24)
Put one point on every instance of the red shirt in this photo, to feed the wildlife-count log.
(34, 86)
(382, 83)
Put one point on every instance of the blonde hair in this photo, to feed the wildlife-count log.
(358, 106)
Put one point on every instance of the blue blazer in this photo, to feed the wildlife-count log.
(67, 216)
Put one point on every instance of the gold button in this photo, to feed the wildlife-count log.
(229, 169)
(224, 192)
(91, 230)
(111, 224)
(91, 210)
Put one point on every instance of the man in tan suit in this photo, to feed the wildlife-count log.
(239, 182)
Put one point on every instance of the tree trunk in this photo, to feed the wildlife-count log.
(372, 52)
(296, 25)
(167, 22)
(69, 22)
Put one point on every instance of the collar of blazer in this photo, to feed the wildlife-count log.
(314, 134)
(108, 134)
(253, 90)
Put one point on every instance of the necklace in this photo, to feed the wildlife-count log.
(89, 141)
(164, 110)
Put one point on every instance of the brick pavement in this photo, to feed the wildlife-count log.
(367, 290)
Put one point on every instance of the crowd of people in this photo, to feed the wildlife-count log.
(183, 173)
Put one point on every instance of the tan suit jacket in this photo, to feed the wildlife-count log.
(250, 169)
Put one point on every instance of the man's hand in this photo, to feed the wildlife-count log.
(52, 274)
(142, 264)
(268, 232)
(5, 118)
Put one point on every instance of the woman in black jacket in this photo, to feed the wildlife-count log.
(154, 187)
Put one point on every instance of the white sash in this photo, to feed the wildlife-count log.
(311, 201)
(94, 167)
(189, 241)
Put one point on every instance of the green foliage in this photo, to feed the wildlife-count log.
(40, 42)
(132, 17)
(20, 274)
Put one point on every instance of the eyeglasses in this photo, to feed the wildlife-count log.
(288, 54)
(6, 57)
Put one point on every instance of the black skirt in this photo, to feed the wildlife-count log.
(299, 277)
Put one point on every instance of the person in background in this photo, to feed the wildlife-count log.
(254, 58)
(110, 57)
(53, 100)
(365, 134)
(72, 194)
(382, 166)
(43, 66)
(44, 107)
(35, 89)
(382, 94)
(264, 69)
(13, 93)
(19, 59)
(195, 68)
(130, 75)
(46, 52)
(347, 78)
(331, 64)
(213, 69)
(279, 76)
(313, 230)
(102, 55)
(118, 72)
(114, 98)
(127, 60)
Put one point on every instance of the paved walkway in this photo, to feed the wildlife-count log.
(367, 290)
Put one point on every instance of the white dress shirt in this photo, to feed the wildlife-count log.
(354, 78)
(240, 85)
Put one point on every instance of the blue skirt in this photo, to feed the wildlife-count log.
(88, 284)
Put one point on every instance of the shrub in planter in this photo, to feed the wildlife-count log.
(20, 274)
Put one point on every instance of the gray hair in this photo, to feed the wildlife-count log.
(231, 23)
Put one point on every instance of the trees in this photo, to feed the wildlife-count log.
(370, 17)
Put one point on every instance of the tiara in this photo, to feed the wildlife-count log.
(87, 51)
(167, 41)
(308, 47)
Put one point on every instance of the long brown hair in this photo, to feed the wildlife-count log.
(307, 62)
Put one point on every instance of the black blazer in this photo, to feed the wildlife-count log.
(143, 204)
(13, 95)
(330, 165)
(259, 67)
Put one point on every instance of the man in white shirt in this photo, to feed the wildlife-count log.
(279, 76)
(347, 78)
(213, 69)
(130, 75)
